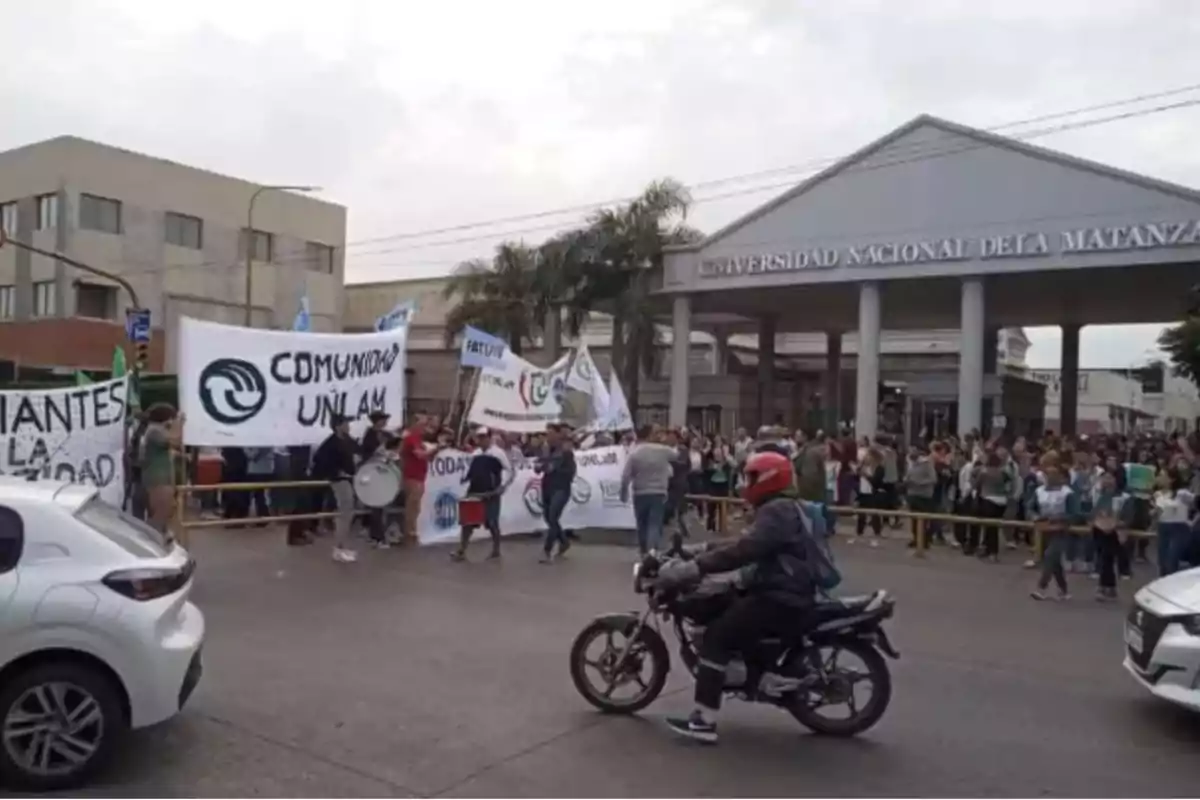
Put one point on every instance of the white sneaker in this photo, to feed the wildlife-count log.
(874, 543)
(344, 555)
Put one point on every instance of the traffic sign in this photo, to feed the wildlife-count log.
(137, 324)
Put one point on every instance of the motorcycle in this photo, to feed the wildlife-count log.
(799, 674)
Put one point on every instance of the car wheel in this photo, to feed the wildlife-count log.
(59, 724)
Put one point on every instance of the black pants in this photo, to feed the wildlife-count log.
(748, 620)
(990, 534)
(1111, 557)
(870, 501)
(966, 507)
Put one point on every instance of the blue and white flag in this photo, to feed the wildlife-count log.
(398, 317)
(480, 349)
(303, 320)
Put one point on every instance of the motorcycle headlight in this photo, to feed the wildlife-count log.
(637, 577)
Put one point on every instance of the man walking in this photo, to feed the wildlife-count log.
(648, 470)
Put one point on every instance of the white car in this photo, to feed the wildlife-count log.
(1162, 638)
(96, 632)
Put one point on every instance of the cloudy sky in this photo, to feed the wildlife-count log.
(422, 116)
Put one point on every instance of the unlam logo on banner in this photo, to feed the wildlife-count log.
(264, 388)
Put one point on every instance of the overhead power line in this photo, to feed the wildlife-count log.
(908, 154)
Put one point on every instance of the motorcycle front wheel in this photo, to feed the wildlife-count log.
(839, 688)
(602, 676)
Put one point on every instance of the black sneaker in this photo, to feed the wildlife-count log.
(694, 727)
(563, 547)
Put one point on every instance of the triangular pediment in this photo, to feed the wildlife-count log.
(936, 181)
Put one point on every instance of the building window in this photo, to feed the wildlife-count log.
(184, 231)
(8, 302)
(8, 218)
(95, 301)
(261, 244)
(43, 299)
(47, 212)
(319, 257)
(99, 214)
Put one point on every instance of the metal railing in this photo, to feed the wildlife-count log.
(725, 506)
(922, 519)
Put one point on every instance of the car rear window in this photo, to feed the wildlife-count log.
(135, 536)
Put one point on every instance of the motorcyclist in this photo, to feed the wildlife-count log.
(779, 585)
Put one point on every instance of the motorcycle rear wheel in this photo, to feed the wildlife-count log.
(862, 720)
(649, 645)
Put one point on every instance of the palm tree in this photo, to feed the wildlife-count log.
(504, 297)
(621, 247)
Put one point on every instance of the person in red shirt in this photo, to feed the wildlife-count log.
(415, 452)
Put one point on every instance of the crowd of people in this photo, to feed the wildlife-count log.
(1118, 486)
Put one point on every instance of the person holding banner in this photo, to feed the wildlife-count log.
(163, 436)
(557, 468)
(334, 462)
(415, 453)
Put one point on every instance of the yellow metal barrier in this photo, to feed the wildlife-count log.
(921, 518)
(183, 491)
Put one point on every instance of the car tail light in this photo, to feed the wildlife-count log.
(149, 583)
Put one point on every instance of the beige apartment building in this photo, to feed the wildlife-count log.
(178, 234)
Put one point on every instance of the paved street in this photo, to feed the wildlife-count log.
(408, 675)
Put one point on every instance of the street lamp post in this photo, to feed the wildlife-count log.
(250, 240)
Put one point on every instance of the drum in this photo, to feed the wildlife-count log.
(377, 483)
(470, 511)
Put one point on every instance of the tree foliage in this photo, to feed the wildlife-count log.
(1181, 343)
(605, 266)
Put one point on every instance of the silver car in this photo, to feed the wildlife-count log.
(1162, 638)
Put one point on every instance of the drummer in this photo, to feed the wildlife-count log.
(488, 476)
(373, 445)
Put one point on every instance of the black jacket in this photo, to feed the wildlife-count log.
(372, 440)
(774, 547)
(334, 459)
(558, 470)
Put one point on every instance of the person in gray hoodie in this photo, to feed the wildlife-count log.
(648, 471)
(920, 481)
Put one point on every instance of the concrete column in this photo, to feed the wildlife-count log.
(991, 350)
(720, 352)
(832, 390)
(971, 357)
(766, 371)
(866, 399)
(681, 335)
(1068, 413)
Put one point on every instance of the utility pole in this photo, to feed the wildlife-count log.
(249, 240)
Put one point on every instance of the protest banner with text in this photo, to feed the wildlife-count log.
(595, 496)
(248, 387)
(519, 397)
(75, 434)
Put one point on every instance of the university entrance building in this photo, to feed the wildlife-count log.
(936, 226)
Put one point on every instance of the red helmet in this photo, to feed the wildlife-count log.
(767, 474)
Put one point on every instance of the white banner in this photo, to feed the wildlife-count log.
(261, 388)
(595, 496)
(75, 434)
(518, 396)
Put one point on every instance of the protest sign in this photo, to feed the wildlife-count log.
(481, 349)
(518, 396)
(261, 388)
(75, 434)
(595, 496)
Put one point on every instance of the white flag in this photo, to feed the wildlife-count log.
(616, 416)
(583, 370)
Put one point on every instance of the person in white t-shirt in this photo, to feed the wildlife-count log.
(1174, 510)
